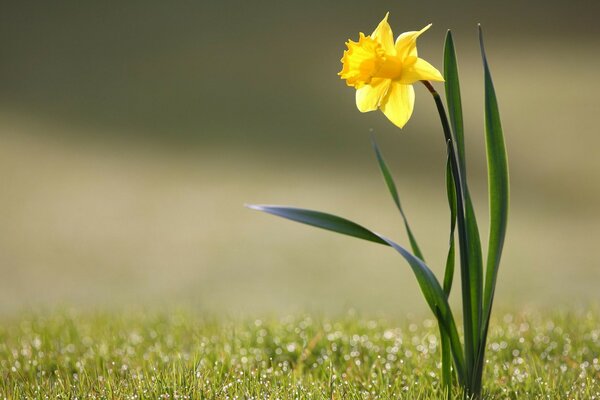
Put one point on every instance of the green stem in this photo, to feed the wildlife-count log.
(446, 363)
(462, 233)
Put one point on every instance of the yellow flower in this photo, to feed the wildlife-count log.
(383, 71)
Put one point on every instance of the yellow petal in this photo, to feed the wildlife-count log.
(369, 97)
(383, 34)
(399, 103)
(406, 44)
(420, 70)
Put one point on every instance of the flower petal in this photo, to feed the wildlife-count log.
(369, 97)
(420, 70)
(383, 34)
(399, 103)
(406, 44)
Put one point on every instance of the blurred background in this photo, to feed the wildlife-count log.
(132, 133)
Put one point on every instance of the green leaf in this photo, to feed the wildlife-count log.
(498, 188)
(475, 265)
(450, 258)
(449, 274)
(436, 298)
(430, 287)
(389, 181)
(321, 220)
(453, 98)
(475, 258)
(446, 361)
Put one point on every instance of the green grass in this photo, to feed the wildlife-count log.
(182, 355)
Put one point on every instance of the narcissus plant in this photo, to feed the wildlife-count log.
(383, 72)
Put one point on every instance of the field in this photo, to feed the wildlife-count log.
(131, 137)
(104, 227)
(180, 355)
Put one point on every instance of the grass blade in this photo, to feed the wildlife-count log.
(430, 287)
(389, 181)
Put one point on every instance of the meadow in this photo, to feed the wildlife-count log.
(182, 355)
(132, 136)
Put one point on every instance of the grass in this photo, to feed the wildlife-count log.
(181, 355)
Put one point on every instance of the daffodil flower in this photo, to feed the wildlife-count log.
(383, 71)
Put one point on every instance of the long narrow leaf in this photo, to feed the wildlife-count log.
(430, 287)
(475, 258)
(475, 265)
(450, 258)
(449, 275)
(446, 348)
(389, 181)
(453, 98)
(498, 187)
(436, 298)
(463, 242)
(321, 220)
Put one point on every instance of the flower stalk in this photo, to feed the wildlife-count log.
(457, 178)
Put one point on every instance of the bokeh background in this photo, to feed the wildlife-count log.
(132, 133)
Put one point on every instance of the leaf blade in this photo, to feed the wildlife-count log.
(453, 98)
(498, 182)
(450, 258)
(321, 220)
(430, 287)
(391, 185)
(498, 191)
(475, 258)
